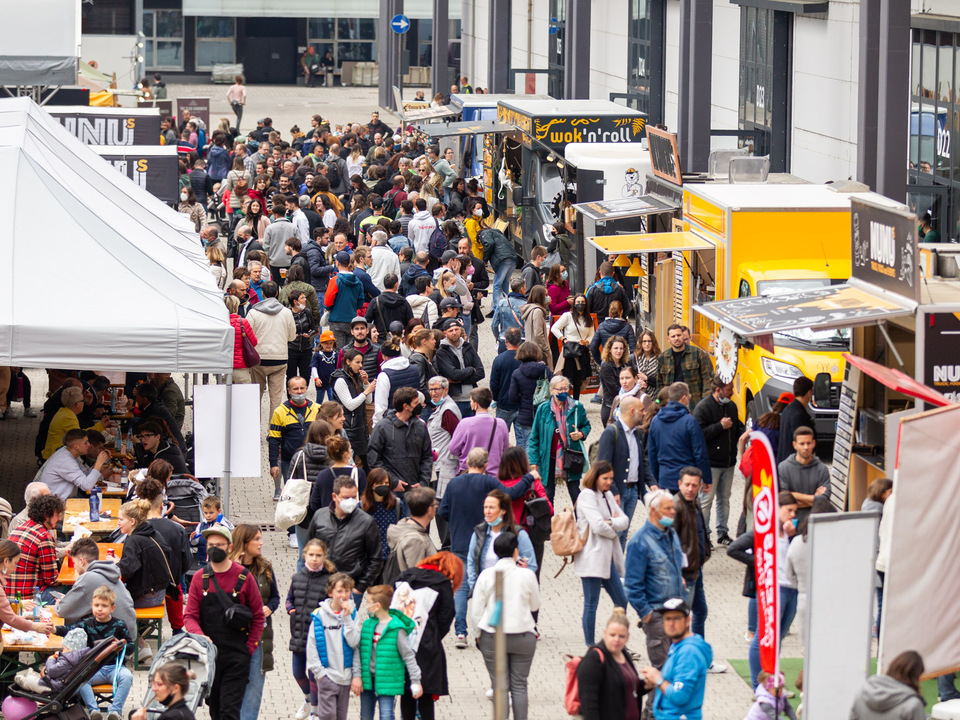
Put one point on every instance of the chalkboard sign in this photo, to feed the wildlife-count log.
(664, 158)
(843, 445)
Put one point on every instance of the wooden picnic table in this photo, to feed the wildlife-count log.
(11, 653)
(106, 525)
(68, 572)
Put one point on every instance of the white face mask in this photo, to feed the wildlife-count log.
(183, 197)
(478, 212)
(348, 505)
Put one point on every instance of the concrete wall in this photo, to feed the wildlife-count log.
(608, 49)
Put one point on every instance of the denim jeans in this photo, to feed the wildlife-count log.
(719, 489)
(788, 610)
(104, 676)
(591, 599)
(252, 696)
(369, 700)
(302, 538)
(508, 416)
(628, 503)
(698, 604)
(464, 407)
(523, 434)
(501, 278)
(946, 689)
(460, 600)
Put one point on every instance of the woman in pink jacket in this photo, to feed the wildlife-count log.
(241, 373)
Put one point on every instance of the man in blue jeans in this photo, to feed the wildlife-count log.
(500, 374)
(462, 508)
(622, 447)
(502, 256)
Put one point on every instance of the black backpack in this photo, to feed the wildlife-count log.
(333, 174)
(438, 242)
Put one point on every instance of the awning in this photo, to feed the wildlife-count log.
(624, 207)
(821, 308)
(649, 242)
(798, 7)
(898, 381)
(430, 114)
(474, 127)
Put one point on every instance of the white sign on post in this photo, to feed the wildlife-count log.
(210, 424)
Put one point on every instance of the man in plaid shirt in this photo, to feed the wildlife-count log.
(36, 539)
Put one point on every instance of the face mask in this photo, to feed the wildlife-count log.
(666, 522)
(166, 701)
(348, 505)
(581, 308)
(183, 197)
(417, 410)
(381, 491)
(724, 400)
(795, 522)
(478, 212)
(564, 275)
(494, 523)
(298, 398)
(216, 554)
(563, 396)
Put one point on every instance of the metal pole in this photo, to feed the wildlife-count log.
(225, 485)
(499, 654)
(399, 40)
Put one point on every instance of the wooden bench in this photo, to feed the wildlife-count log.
(149, 626)
(103, 694)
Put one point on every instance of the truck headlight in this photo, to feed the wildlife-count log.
(780, 369)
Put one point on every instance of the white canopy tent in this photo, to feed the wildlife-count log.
(96, 277)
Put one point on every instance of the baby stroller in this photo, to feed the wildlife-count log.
(186, 494)
(66, 704)
(198, 655)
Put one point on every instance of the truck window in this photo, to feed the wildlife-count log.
(550, 191)
(744, 288)
(804, 339)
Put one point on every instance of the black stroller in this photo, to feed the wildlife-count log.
(198, 655)
(66, 704)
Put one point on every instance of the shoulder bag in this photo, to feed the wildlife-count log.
(542, 392)
(571, 350)
(238, 616)
(251, 358)
(294, 498)
(173, 589)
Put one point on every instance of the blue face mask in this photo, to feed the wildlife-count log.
(492, 525)
(565, 275)
(666, 522)
(563, 396)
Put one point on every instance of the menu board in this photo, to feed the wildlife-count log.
(664, 158)
(843, 445)
(678, 287)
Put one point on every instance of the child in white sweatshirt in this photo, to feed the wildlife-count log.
(331, 650)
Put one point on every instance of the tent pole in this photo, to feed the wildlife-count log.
(225, 486)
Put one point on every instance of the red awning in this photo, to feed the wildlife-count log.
(897, 381)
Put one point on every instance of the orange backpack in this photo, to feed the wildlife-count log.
(571, 695)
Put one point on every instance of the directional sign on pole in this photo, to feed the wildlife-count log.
(400, 24)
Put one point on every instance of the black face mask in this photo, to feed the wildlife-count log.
(381, 491)
(216, 554)
(166, 701)
(417, 410)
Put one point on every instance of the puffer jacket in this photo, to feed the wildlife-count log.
(238, 322)
(353, 544)
(305, 325)
(523, 384)
(320, 269)
(306, 464)
(307, 590)
(402, 449)
(611, 327)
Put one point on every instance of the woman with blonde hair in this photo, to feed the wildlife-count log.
(217, 266)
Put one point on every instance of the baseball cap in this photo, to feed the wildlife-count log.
(358, 321)
(342, 257)
(676, 605)
(218, 529)
(446, 323)
(447, 256)
(327, 336)
(786, 398)
(396, 327)
(449, 302)
(377, 202)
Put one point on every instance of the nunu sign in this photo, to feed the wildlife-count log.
(93, 127)
(884, 247)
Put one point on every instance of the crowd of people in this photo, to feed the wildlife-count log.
(356, 265)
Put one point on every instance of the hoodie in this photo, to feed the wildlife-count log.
(75, 605)
(763, 706)
(387, 308)
(349, 298)
(420, 229)
(410, 543)
(331, 644)
(883, 698)
(419, 303)
(676, 441)
(686, 671)
(274, 327)
(408, 281)
(602, 293)
(807, 479)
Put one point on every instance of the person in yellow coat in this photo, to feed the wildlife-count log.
(66, 419)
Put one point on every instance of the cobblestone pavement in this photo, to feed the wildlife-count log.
(727, 696)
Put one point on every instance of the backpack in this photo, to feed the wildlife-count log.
(565, 538)
(571, 696)
(593, 452)
(438, 242)
(333, 174)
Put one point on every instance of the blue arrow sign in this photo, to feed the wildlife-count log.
(400, 24)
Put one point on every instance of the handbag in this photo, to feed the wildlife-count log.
(294, 499)
(542, 392)
(573, 461)
(571, 351)
(251, 358)
(238, 616)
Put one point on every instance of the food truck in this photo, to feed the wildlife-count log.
(537, 180)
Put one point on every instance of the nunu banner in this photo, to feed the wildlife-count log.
(765, 530)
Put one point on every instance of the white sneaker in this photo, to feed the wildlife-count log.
(461, 643)
(292, 541)
(303, 711)
(29, 412)
(314, 716)
(145, 653)
(716, 668)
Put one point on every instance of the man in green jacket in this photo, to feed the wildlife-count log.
(685, 363)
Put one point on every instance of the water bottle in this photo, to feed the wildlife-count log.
(129, 443)
(118, 439)
(95, 505)
(113, 399)
(124, 477)
(36, 603)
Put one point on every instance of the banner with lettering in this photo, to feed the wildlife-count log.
(110, 126)
(884, 246)
(766, 526)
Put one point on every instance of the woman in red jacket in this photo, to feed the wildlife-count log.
(241, 373)
(558, 290)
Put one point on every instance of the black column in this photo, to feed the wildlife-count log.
(388, 45)
(658, 44)
(577, 51)
(696, 53)
(893, 98)
(440, 74)
(782, 73)
(868, 76)
(498, 57)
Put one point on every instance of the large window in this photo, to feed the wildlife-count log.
(163, 47)
(349, 39)
(766, 42)
(934, 125)
(645, 57)
(216, 41)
